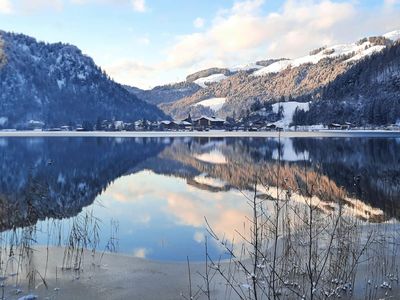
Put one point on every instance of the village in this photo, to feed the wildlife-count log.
(203, 123)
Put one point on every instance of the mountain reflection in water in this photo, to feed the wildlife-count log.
(160, 189)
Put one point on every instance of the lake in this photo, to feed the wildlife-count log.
(151, 197)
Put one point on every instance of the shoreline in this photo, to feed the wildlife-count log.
(108, 276)
(211, 133)
(113, 276)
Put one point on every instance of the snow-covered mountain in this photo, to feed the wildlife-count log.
(233, 91)
(56, 84)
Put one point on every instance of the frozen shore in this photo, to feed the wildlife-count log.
(109, 276)
(211, 133)
(117, 276)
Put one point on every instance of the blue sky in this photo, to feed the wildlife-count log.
(150, 42)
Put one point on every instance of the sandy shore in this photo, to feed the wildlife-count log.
(212, 133)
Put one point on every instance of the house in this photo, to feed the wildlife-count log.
(270, 127)
(188, 119)
(169, 125)
(345, 126)
(185, 125)
(209, 122)
(334, 126)
(143, 125)
(32, 124)
(65, 128)
(130, 126)
(257, 124)
(119, 125)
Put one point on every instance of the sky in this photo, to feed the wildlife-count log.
(145, 43)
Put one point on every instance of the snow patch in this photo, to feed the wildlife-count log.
(210, 79)
(61, 83)
(289, 109)
(393, 35)
(273, 68)
(355, 50)
(213, 103)
(367, 52)
(3, 121)
(246, 67)
(81, 76)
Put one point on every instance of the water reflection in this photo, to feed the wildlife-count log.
(160, 189)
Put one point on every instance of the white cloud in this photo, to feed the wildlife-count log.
(245, 34)
(247, 6)
(128, 71)
(5, 7)
(144, 41)
(198, 23)
(392, 2)
(31, 6)
(139, 5)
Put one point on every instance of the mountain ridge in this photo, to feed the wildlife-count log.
(57, 84)
(271, 81)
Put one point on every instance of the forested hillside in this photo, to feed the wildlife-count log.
(56, 84)
(368, 93)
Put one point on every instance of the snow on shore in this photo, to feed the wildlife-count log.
(211, 133)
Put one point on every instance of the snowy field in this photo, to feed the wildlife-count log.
(357, 51)
(210, 79)
(211, 133)
(289, 109)
(213, 103)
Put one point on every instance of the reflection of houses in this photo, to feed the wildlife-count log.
(209, 122)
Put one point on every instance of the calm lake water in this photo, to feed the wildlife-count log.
(151, 195)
